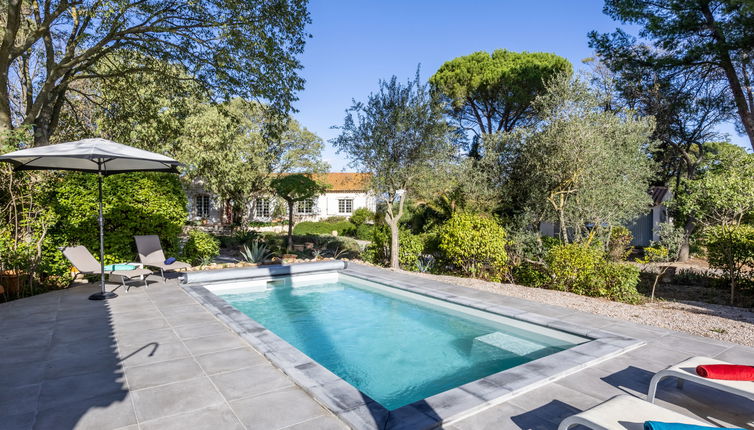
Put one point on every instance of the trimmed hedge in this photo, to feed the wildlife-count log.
(134, 204)
(344, 228)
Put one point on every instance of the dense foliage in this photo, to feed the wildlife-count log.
(475, 244)
(730, 248)
(133, 204)
(583, 269)
(200, 248)
(398, 134)
(343, 228)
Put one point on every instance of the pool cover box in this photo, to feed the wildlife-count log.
(358, 409)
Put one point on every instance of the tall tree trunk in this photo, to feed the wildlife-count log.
(393, 221)
(290, 226)
(688, 230)
(744, 110)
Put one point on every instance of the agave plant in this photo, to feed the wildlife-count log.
(425, 262)
(257, 253)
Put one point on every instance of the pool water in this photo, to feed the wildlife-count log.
(394, 346)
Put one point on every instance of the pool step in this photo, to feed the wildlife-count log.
(507, 343)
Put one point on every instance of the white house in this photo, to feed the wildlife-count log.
(346, 193)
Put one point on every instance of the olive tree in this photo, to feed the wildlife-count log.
(578, 166)
(397, 134)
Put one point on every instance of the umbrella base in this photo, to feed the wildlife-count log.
(103, 296)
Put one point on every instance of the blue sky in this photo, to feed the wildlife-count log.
(356, 43)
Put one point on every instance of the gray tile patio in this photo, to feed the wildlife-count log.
(156, 359)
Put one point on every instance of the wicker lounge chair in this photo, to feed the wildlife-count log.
(150, 254)
(86, 264)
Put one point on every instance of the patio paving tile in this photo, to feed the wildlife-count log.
(19, 399)
(281, 409)
(139, 354)
(232, 359)
(324, 422)
(220, 342)
(191, 318)
(165, 372)
(250, 381)
(216, 417)
(175, 398)
(160, 335)
(79, 387)
(104, 412)
(201, 330)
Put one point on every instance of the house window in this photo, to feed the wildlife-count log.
(202, 206)
(345, 206)
(305, 207)
(262, 208)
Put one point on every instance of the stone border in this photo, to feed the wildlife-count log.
(361, 412)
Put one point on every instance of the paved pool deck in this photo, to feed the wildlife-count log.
(154, 358)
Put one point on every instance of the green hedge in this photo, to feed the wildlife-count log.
(730, 248)
(474, 244)
(200, 247)
(344, 228)
(584, 270)
(134, 204)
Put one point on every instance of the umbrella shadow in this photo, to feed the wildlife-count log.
(60, 366)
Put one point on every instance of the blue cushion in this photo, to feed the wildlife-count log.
(112, 267)
(170, 260)
(659, 425)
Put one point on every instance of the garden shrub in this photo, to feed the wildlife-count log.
(583, 269)
(730, 248)
(619, 245)
(347, 247)
(530, 274)
(133, 203)
(573, 267)
(200, 247)
(364, 232)
(378, 251)
(335, 219)
(344, 228)
(361, 216)
(411, 247)
(618, 281)
(474, 244)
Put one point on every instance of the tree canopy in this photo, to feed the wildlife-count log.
(488, 93)
(710, 41)
(398, 134)
(578, 165)
(225, 148)
(245, 49)
(294, 188)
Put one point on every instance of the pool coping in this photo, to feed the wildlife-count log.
(361, 412)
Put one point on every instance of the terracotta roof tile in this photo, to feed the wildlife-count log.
(346, 181)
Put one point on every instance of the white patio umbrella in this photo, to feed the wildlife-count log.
(100, 156)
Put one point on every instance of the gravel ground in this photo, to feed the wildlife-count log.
(715, 321)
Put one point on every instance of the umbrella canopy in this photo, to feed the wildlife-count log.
(100, 156)
(90, 155)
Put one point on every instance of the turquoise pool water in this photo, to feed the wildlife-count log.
(396, 347)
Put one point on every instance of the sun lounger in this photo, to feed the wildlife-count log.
(150, 254)
(686, 371)
(625, 412)
(85, 263)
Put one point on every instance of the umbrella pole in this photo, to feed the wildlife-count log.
(102, 295)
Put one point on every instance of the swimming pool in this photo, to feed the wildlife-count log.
(393, 347)
(386, 350)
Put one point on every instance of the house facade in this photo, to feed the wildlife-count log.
(346, 192)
